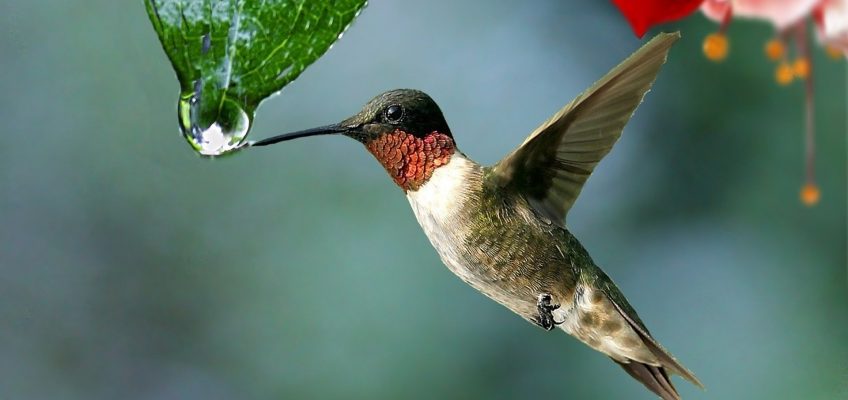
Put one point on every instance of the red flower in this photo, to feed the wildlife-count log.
(643, 14)
(790, 19)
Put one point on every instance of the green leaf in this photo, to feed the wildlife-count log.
(229, 55)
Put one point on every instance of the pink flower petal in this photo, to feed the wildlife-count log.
(780, 13)
(833, 22)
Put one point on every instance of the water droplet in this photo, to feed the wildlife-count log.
(205, 44)
(213, 135)
(285, 72)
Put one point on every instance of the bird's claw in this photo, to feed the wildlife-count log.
(546, 317)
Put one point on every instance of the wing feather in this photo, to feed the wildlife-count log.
(554, 162)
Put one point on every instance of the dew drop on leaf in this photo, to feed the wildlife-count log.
(215, 134)
(231, 55)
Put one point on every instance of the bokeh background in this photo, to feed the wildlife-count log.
(130, 268)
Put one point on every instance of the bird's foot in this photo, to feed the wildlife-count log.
(546, 317)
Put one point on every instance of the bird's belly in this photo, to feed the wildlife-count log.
(450, 244)
(478, 275)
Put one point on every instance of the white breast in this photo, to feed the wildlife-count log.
(436, 205)
(445, 188)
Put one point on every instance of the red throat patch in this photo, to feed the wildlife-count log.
(411, 160)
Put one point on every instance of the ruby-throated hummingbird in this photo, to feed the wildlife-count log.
(502, 230)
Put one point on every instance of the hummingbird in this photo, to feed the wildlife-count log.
(502, 229)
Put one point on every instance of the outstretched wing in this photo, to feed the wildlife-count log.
(553, 163)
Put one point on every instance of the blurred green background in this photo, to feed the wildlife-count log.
(132, 269)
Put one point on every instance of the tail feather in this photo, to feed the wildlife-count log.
(654, 378)
(665, 358)
(639, 354)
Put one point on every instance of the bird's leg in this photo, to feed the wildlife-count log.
(546, 317)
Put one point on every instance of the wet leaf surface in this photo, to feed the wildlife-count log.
(229, 55)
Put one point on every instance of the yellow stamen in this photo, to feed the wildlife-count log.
(784, 73)
(716, 47)
(833, 52)
(810, 194)
(775, 49)
(801, 68)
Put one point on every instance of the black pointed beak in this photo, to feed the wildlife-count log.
(334, 129)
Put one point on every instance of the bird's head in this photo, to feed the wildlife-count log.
(404, 129)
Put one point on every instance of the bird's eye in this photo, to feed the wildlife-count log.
(394, 113)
